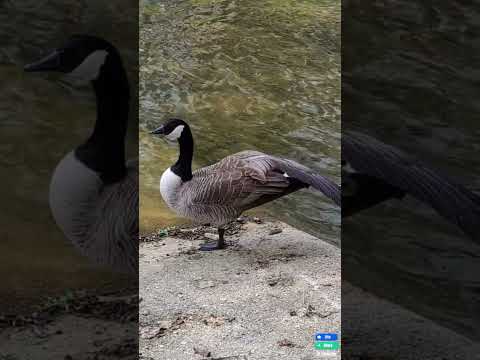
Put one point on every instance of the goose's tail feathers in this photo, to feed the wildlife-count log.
(307, 176)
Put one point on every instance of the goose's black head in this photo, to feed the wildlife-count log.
(83, 58)
(176, 129)
(173, 129)
(89, 59)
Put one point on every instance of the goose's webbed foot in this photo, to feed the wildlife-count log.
(218, 246)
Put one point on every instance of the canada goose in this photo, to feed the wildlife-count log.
(373, 172)
(219, 193)
(94, 191)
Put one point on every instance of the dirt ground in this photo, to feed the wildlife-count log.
(264, 297)
(79, 326)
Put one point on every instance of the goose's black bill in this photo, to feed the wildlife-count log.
(50, 62)
(158, 131)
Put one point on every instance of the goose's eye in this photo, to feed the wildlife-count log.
(68, 59)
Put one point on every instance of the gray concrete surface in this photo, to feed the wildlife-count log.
(262, 298)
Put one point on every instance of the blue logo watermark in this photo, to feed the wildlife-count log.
(326, 337)
(326, 342)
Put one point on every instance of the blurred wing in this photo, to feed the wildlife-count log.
(374, 158)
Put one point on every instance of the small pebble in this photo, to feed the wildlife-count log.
(286, 343)
(202, 352)
(206, 284)
(275, 231)
(211, 236)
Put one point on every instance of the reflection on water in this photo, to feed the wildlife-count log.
(40, 121)
(246, 75)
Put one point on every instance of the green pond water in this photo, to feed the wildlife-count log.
(403, 250)
(245, 75)
(41, 121)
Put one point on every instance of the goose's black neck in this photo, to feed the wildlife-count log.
(183, 166)
(104, 151)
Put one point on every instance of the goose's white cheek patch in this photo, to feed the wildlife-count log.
(176, 133)
(89, 69)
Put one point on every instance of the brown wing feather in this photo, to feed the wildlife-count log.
(238, 182)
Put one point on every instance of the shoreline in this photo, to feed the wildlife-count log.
(263, 297)
(260, 265)
(62, 328)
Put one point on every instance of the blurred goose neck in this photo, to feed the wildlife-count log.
(104, 151)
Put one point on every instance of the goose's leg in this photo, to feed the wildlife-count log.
(219, 245)
(221, 240)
